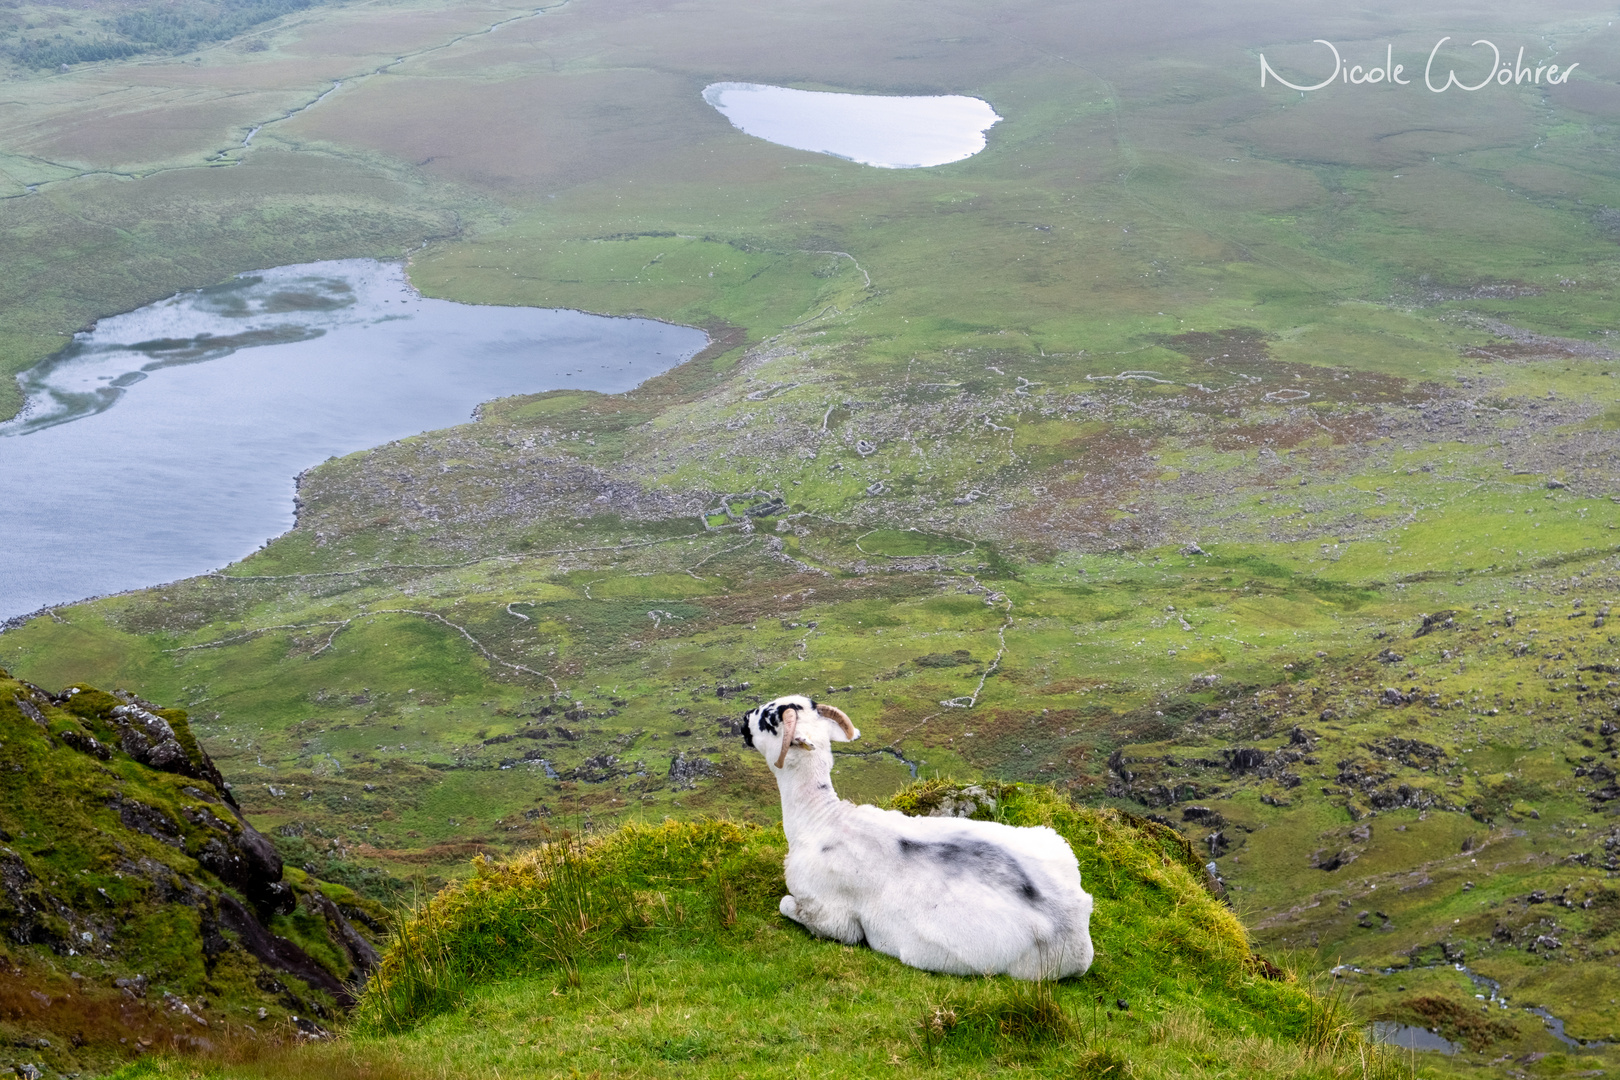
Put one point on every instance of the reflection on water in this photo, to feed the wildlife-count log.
(888, 132)
(164, 442)
(1409, 1037)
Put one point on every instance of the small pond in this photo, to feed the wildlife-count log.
(1409, 1037)
(871, 129)
(165, 442)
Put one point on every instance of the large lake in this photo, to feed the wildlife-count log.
(888, 132)
(164, 443)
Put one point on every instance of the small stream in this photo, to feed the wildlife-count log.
(880, 751)
(247, 140)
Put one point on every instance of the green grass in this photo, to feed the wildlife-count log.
(658, 947)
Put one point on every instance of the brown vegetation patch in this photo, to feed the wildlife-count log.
(1112, 446)
(122, 133)
(1140, 726)
(760, 603)
(697, 374)
(509, 135)
(1098, 497)
(184, 606)
(1100, 522)
(1426, 293)
(1299, 427)
(451, 851)
(1238, 344)
(1240, 372)
(921, 722)
(999, 723)
(746, 791)
(91, 1026)
(1508, 351)
(1516, 343)
(885, 586)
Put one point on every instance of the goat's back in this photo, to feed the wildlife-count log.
(969, 897)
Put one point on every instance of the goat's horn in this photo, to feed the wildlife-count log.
(832, 712)
(790, 724)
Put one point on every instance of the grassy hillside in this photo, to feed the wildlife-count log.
(657, 949)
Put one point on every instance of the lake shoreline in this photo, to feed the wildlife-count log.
(185, 420)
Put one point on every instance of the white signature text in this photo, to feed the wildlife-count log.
(1500, 73)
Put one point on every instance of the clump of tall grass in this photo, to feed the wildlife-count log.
(564, 903)
(424, 976)
(1103, 1063)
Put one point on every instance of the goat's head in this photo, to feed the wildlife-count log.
(794, 721)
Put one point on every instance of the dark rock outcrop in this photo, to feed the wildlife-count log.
(120, 843)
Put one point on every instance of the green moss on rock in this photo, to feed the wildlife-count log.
(139, 902)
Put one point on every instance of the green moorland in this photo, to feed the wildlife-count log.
(1233, 456)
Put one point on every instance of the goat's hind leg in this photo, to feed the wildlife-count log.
(821, 922)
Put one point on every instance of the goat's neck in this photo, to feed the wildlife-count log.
(808, 798)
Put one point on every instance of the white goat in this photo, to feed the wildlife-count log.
(941, 894)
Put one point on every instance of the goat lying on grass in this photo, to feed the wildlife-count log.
(941, 894)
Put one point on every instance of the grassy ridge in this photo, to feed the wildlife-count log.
(1158, 927)
(655, 948)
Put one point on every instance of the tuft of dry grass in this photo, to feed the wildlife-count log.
(338, 1060)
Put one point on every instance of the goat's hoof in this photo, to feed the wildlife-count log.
(789, 907)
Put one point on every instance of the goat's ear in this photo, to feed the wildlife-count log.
(845, 731)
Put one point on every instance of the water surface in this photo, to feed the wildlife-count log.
(872, 129)
(165, 442)
(1409, 1037)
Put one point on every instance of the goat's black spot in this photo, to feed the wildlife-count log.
(989, 863)
(770, 719)
(748, 735)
